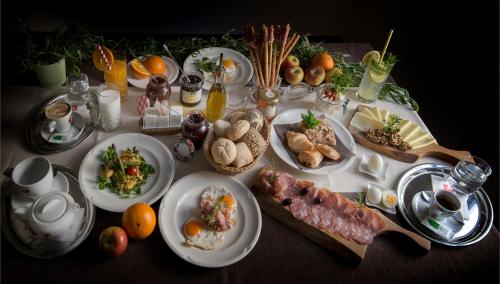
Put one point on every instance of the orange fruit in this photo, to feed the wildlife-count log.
(99, 62)
(138, 70)
(155, 65)
(139, 220)
(324, 60)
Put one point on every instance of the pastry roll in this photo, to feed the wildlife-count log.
(310, 158)
(328, 151)
(298, 142)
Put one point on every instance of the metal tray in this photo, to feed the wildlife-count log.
(34, 128)
(74, 190)
(418, 179)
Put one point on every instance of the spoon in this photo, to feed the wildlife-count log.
(175, 62)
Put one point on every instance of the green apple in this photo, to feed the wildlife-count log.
(294, 75)
(315, 75)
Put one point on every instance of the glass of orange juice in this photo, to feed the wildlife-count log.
(117, 74)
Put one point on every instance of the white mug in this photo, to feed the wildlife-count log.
(34, 176)
(444, 204)
(60, 112)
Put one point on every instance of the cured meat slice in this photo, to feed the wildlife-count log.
(314, 216)
(299, 208)
(327, 218)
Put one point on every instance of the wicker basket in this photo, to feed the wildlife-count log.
(228, 170)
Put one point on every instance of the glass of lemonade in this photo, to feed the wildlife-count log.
(376, 74)
(117, 74)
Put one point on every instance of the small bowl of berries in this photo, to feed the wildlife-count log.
(329, 101)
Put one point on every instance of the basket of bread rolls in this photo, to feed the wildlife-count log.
(237, 142)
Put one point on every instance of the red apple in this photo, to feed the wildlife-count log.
(290, 61)
(294, 75)
(113, 241)
(315, 75)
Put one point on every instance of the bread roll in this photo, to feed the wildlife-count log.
(298, 142)
(256, 119)
(254, 141)
(243, 156)
(235, 116)
(328, 151)
(310, 158)
(238, 129)
(221, 127)
(223, 151)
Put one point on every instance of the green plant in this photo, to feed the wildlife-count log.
(68, 41)
(305, 51)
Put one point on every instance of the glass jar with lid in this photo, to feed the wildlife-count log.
(158, 88)
(195, 128)
(191, 89)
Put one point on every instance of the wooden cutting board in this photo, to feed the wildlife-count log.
(432, 150)
(336, 243)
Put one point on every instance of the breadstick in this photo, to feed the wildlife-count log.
(266, 56)
(292, 44)
(256, 68)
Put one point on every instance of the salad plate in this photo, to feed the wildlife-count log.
(172, 73)
(294, 115)
(240, 76)
(179, 204)
(153, 152)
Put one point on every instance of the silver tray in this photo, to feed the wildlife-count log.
(74, 190)
(418, 179)
(33, 131)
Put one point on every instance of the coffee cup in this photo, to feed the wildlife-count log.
(60, 112)
(34, 176)
(444, 204)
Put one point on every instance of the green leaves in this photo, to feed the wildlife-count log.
(305, 51)
(309, 120)
(206, 65)
(392, 124)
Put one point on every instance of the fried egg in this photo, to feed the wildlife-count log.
(198, 235)
(229, 66)
(218, 208)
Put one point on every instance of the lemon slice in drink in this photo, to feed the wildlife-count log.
(372, 54)
(377, 77)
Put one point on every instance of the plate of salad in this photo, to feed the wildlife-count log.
(126, 169)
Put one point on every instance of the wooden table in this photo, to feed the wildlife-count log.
(280, 256)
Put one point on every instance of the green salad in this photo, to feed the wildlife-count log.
(124, 174)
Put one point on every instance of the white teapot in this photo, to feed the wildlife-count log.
(54, 219)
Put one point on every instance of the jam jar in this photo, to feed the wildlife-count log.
(195, 128)
(191, 90)
(158, 88)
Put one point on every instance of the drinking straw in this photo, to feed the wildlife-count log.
(386, 44)
(103, 56)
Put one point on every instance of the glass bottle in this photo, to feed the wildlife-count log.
(216, 101)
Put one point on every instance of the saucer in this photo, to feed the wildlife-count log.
(363, 167)
(420, 208)
(59, 183)
(77, 127)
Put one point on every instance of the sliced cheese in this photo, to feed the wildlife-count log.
(376, 112)
(419, 135)
(423, 142)
(413, 134)
(403, 124)
(409, 131)
(364, 122)
(384, 114)
(367, 111)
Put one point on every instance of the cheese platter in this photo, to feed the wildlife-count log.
(415, 143)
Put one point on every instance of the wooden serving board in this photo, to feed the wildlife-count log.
(336, 243)
(432, 150)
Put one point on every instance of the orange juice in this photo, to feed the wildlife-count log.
(118, 75)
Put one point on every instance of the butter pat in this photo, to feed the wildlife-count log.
(175, 116)
(438, 227)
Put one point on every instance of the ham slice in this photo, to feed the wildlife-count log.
(320, 208)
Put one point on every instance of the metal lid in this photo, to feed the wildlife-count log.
(50, 208)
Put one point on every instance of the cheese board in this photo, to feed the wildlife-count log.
(423, 143)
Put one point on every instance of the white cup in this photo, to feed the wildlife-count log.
(34, 175)
(444, 204)
(60, 112)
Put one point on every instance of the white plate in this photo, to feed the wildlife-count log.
(380, 205)
(153, 151)
(293, 116)
(183, 200)
(172, 73)
(241, 77)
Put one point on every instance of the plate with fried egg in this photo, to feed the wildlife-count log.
(210, 219)
(238, 69)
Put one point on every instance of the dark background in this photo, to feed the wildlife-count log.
(449, 55)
